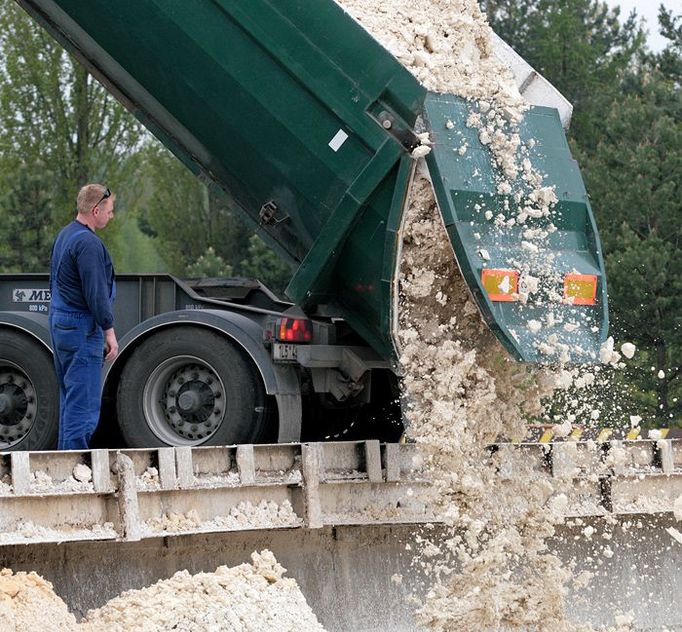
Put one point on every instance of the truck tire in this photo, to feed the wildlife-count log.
(29, 394)
(187, 386)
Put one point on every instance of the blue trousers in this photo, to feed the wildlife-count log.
(78, 344)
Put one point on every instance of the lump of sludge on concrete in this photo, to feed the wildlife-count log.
(246, 598)
(29, 604)
(82, 473)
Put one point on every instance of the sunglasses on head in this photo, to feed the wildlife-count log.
(107, 194)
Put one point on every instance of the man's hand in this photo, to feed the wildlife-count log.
(110, 345)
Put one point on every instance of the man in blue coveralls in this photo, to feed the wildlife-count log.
(81, 319)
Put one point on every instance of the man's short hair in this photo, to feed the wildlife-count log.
(88, 197)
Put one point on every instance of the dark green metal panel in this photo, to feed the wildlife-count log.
(466, 190)
(359, 284)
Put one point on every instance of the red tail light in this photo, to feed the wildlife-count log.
(294, 330)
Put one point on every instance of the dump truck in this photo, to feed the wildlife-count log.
(311, 136)
(322, 165)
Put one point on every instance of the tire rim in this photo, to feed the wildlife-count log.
(18, 404)
(184, 401)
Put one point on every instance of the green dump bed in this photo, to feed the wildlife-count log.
(307, 123)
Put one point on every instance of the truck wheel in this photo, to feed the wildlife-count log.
(29, 395)
(185, 387)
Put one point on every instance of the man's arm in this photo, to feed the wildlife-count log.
(110, 345)
(92, 270)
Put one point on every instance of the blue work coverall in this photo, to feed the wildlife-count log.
(83, 289)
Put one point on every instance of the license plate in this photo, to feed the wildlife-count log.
(284, 352)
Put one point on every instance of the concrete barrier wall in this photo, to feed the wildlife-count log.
(345, 572)
(337, 515)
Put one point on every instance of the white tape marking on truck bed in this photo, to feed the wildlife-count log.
(338, 140)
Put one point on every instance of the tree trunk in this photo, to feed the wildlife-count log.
(82, 107)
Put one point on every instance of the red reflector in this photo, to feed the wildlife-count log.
(294, 330)
(501, 285)
(580, 289)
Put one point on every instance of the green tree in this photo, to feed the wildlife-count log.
(634, 177)
(52, 110)
(209, 265)
(580, 46)
(186, 216)
(59, 129)
(669, 61)
(25, 209)
(263, 264)
(133, 250)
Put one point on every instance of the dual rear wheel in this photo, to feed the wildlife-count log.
(188, 387)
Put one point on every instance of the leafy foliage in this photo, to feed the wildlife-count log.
(264, 265)
(133, 250)
(198, 229)
(634, 176)
(186, 216)
(52, 110)
(26, 206)
(580, 46)
(59, 129)
(670, 60)
(209, 265)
